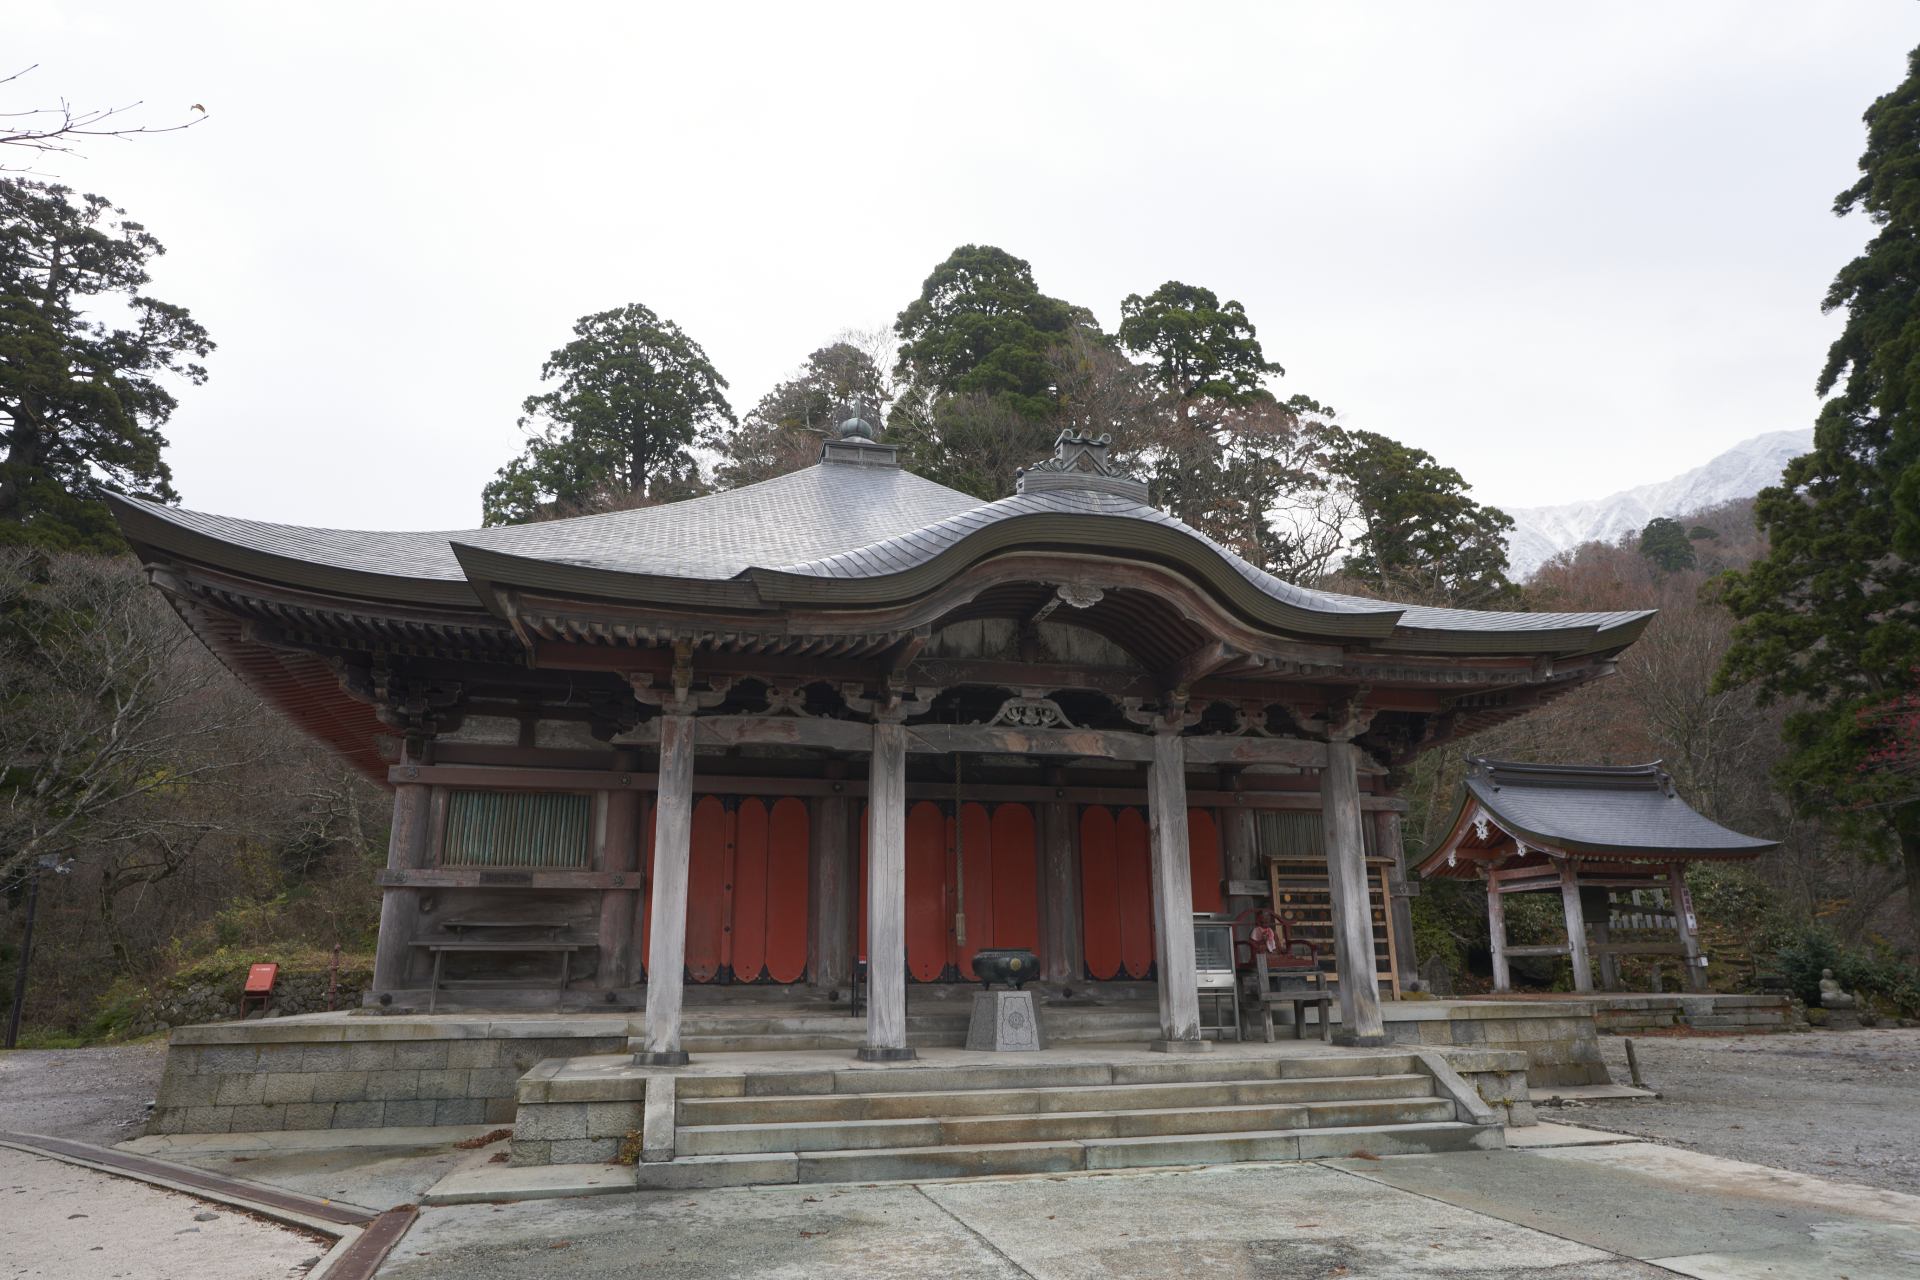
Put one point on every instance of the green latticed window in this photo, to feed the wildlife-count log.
(518, 829)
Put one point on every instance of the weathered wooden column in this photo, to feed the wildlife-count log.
(667, 922)
(1346, 843)
(887, 896)
(1240, 849)
(619, 853)
(1173, 895)
(408, 849)
(1497, 931)
(1683, 923)
(1576, 925)
(833, 880)
(1062, 949)
(1609, 960)
(1387, 844)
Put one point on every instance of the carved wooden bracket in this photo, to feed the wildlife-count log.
(1169, 715)
(1031, 711)
(893, 704)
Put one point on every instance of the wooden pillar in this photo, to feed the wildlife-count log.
(1173, 897)
(887, 897)
(619, 853)
(1387, 844)
(833, 882)
(1497, 931)
(1240, 852)
(1683, 924)
(1576, 925)
(408, 849)
(1609, 962)
(1062, 949)
(667, 924)
(1346, 844)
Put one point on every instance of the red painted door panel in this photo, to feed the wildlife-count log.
(707, 882)
(927, 909)
(1099, 893)
(973, 879)
(789, 836)
(749, 925)
(1133, 873)
(1016, 879)
(1203, 860)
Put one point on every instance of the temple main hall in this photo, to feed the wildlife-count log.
(828, 736)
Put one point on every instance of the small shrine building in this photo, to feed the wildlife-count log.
(1613, 840)
(847, 715)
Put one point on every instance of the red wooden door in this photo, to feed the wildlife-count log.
(1099, 893)
(1135, 875)
(1016, 879)
(789, 839)
(749, 923)
(972, 881)
(928, 908)
(1203, 860)
(709, 883)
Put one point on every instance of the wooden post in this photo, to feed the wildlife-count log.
(1360, 1018)
(1609, 962)
(1576, 925)
(1173, 897)
(1683, 924)
(407, 850)
(1497, 931)
(1062, 949)
(667, 925)
(1387, 844)
(619, 850)
(887, 897)
(833, 882)
(1240, 850)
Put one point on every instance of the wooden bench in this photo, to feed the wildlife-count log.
(441, 946)
(1299, 988)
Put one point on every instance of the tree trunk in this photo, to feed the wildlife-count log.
(1907, 829)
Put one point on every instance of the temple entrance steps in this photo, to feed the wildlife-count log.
(942, 1025)
(895, 1123)
(953, 1115)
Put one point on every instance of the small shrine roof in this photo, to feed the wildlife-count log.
(1605, 812)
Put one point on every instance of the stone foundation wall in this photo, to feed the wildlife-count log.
(342, 1071)
(1630, 1014)
(1499, 1076)
(1560, 1040)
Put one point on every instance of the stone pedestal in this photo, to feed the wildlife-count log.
(1004, 1021)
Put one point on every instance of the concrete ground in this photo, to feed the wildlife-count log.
(1624, 1209)
(62, 1222)
(93, 1095)
(1837, 1104)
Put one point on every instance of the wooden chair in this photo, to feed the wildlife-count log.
(1277, 968)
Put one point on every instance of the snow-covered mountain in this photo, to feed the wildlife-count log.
(1742, 471)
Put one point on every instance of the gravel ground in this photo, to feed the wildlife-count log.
(90, 1095)
(1836, 1104)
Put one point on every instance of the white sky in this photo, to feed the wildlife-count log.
(1566, 250)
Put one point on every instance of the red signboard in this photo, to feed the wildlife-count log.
(260, 979)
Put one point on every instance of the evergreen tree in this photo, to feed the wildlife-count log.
(1827, 617)
(1665, 542)
(82, 400)
(635, 393)
(784, 431)
(1421, 536)
(1198, 348)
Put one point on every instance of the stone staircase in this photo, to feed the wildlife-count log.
(939, 1025)
(866, 1124)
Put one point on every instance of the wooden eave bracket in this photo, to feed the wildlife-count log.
(680, 698)
(894, 703)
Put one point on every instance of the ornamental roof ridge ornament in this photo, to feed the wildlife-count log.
(1080, 462)
(856, 441)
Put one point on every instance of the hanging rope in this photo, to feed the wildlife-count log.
(959, 861)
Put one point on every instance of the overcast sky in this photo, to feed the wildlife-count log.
(1566, 249)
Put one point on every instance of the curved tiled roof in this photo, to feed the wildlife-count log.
(1629, 811)
(844, 532)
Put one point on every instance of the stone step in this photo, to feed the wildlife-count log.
(847, 1107)
(975, 1160)
(990, 1130)
(1156, 1069)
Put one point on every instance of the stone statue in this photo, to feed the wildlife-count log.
(1831, 996)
